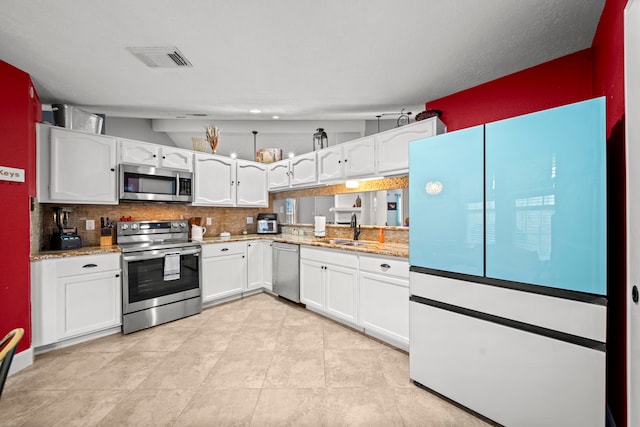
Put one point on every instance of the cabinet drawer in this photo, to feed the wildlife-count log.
(224, 249)
(335, 257)
(87, 264)
(382, 265)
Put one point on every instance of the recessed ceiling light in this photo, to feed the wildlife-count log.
(275, 117)
(255, 111)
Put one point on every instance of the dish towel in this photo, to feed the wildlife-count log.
(172, 266)
(320, 226)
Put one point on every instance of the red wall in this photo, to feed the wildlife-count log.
(18, 113)
(597, 71)
(558, 82)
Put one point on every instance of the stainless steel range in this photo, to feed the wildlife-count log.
(161, 273)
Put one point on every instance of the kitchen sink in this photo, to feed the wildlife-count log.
(347, 242)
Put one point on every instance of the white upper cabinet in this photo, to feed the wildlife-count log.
(330, 164)
(222, 181)
(359, 157)
(142, 153)
(303, 169)
(82, 168)
(297, 172)
(279, 175)
(353, 159)
(214, 180)
(251, 184)
(392, 146)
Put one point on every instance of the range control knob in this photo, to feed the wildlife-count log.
(183, 224)
(134, 226)
(174, 225)
(124, 226)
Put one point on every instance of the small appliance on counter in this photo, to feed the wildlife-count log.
(267, 223)
(66, 235)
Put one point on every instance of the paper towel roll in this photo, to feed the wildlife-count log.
(320, 226)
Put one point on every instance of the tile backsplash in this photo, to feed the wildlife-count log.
(233, 220)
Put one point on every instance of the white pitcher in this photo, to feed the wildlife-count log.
(197, 232)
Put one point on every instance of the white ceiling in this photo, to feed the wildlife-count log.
(299, 59)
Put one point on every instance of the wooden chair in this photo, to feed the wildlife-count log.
(7, 350)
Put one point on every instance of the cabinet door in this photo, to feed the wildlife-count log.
(359, 157)
(251, 184)
(223, 276)
(279, 175)
(83, 168)
(330, 164)
(215, 180)
(393, 145)
(139, 153)
(446, 195)
(255, 265)
(312, 284)
(342, 293)
(546, 198)
(384, 308)
(176, 158)
(88, 303)
(303, 169)
(267, 264)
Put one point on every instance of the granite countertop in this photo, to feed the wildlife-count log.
(89, 250)
(371, 247)
(388, 249)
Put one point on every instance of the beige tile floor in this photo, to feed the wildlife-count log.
(259, 361)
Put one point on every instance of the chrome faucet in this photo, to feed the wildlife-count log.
(355, 226)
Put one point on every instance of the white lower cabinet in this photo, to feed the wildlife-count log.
(267, 256)
(224, 270)
(384, 299)
(312, 283)
(88, 303)
(255, 265)
(329, 283)
(75, 296)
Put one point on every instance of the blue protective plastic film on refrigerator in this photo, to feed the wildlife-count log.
(446, 193)
(546, 198)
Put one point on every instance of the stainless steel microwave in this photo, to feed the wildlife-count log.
(155, 184)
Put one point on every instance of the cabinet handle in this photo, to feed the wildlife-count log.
(232, 182)
(117, 275)
(154, 156)
(89, 265)
(345, 160)
(242, 256)
(238, 183)
(113, 169)
(224, 249)
(339, 161)
(385, 266)
(163, 157)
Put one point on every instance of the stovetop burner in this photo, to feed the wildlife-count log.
(152, 235)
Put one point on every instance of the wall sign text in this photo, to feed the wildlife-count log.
(11, 174)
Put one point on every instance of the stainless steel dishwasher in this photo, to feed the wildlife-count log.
(286, 270)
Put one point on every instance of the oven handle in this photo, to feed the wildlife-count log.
(158, 253)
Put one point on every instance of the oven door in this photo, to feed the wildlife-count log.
(147, 283)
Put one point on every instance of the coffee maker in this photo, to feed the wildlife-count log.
(66, 235)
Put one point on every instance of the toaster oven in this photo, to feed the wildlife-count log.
(267, 223)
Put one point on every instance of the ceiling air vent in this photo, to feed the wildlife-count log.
(160, 57)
